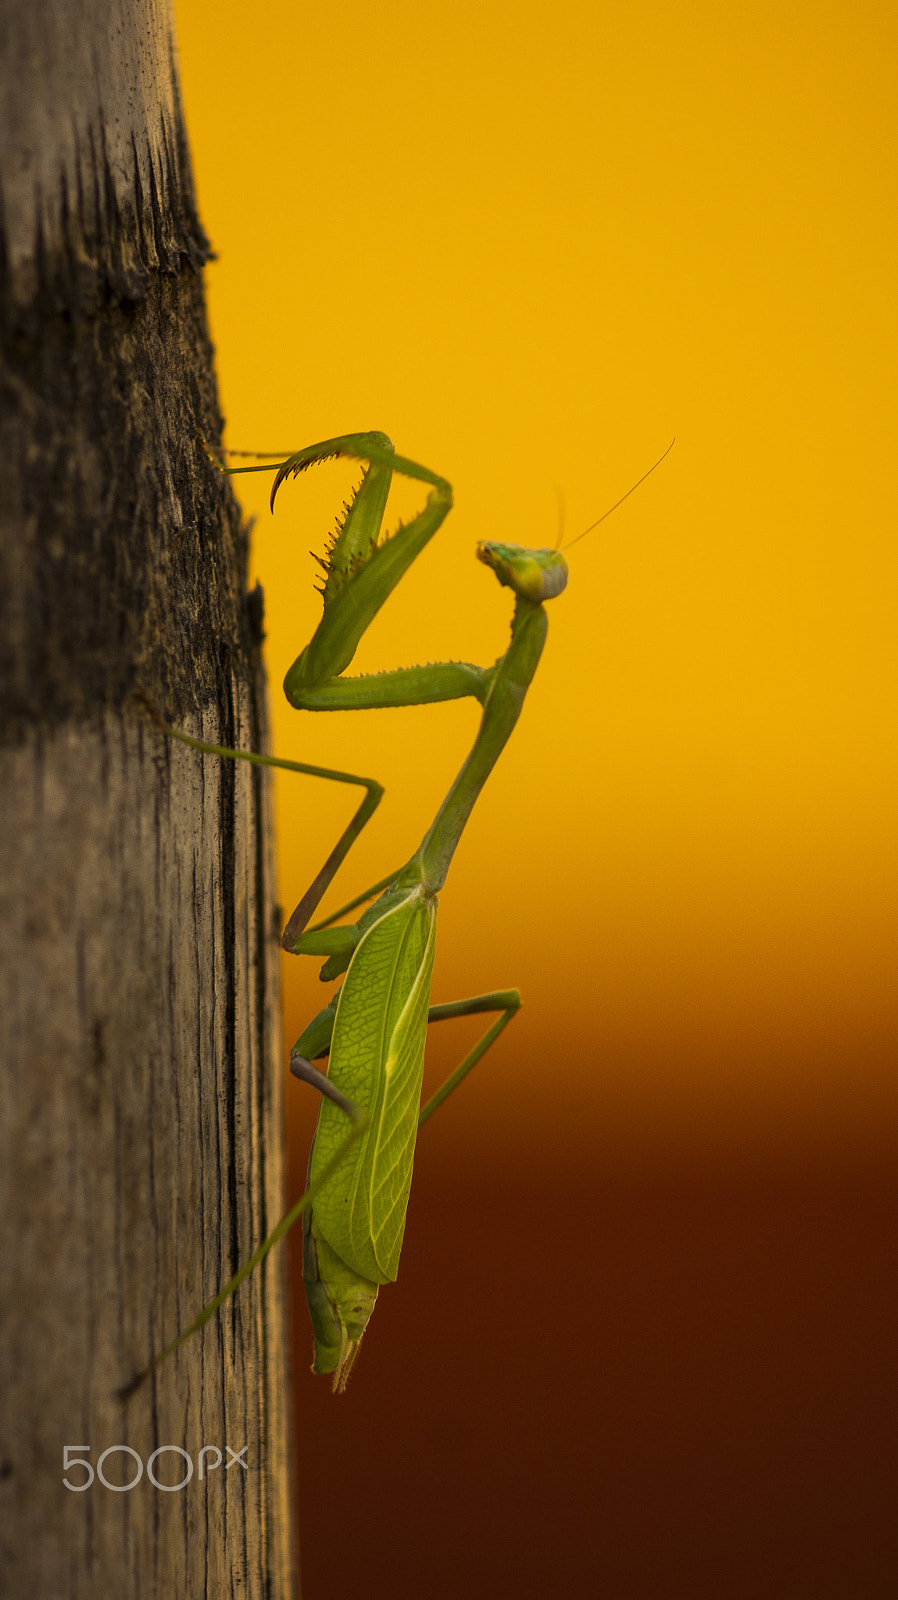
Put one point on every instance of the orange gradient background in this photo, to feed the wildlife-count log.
(640, 1341)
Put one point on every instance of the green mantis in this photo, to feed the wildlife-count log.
(373, 1030)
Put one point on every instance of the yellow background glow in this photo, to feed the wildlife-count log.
(532, 257)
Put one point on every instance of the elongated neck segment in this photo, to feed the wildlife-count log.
(502, 707)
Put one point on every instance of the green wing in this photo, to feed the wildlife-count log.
(377, 1059)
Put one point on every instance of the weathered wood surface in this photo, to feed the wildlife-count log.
(139, 1088)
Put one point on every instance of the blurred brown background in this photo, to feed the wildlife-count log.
(688, 1389)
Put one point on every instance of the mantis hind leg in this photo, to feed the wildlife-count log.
(506, 1001)
(358, 1122)
(314, 1043)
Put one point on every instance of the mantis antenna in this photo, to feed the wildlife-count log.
(631, 490)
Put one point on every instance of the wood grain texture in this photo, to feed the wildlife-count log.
(140, 1123)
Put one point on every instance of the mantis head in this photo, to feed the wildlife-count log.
(535, 575)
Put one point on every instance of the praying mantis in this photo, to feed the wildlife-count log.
(374, 1029)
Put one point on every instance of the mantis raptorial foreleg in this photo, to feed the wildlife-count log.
(373, 1031)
